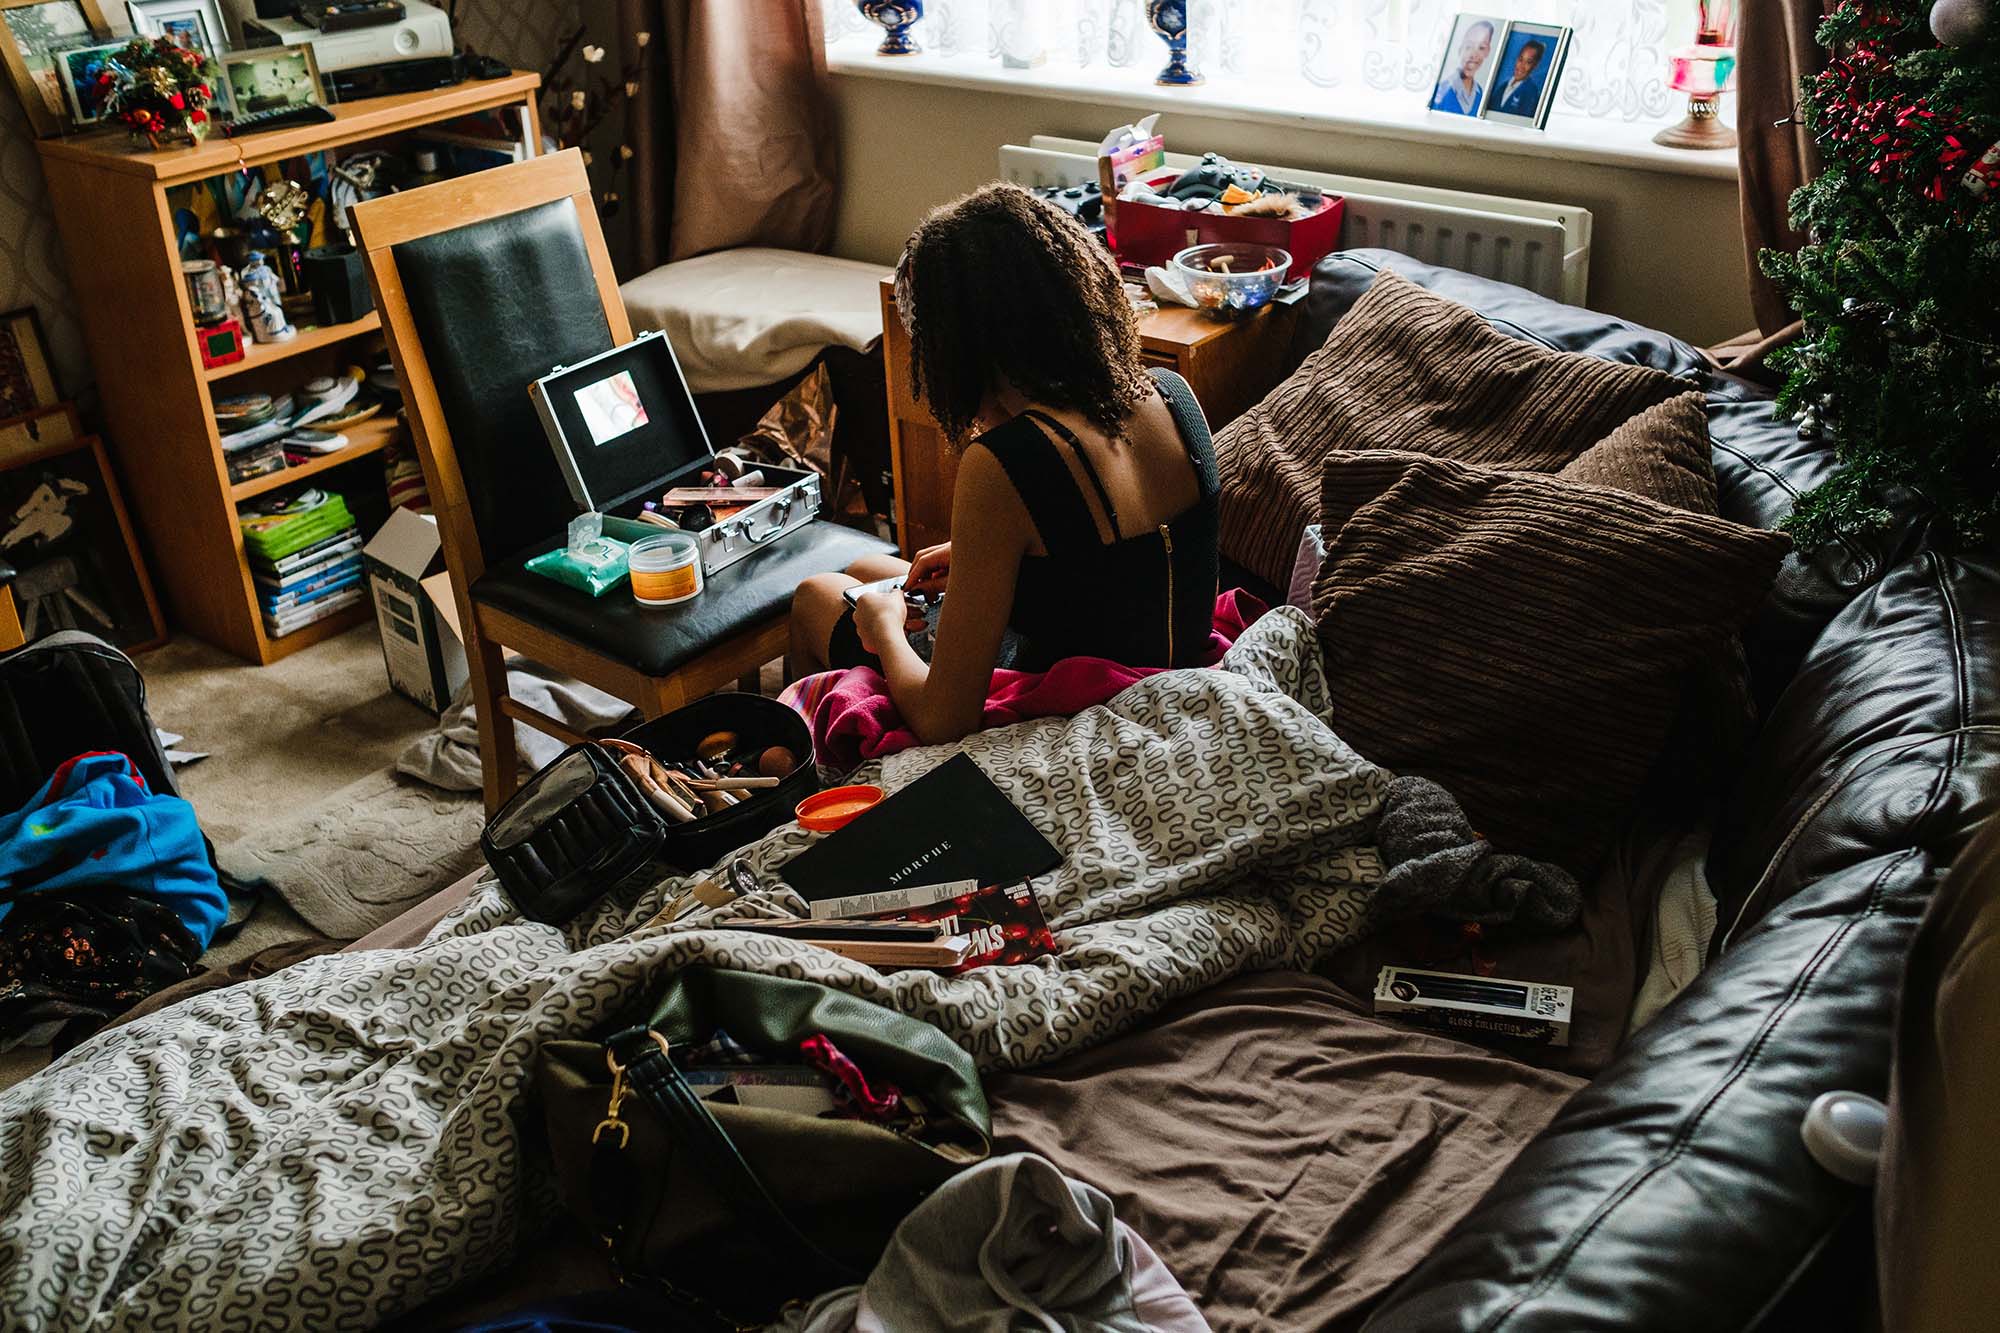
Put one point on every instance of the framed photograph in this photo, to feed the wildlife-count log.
(26, 383)
(80, 68)
(271, 78)
(1523, 91)
(35, 30)
(1467, 67)
(64, 529)
(195, 24)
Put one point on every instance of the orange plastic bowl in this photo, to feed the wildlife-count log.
(836, 806)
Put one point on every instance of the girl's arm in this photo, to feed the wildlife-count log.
(990, 531)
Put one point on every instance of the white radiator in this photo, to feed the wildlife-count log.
(1543, 247)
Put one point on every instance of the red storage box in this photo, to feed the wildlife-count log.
(1143, 233)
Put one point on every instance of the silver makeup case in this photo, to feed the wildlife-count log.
(625, 430)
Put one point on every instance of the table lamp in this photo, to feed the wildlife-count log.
(1704, 72)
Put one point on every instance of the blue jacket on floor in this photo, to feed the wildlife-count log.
(94, 822)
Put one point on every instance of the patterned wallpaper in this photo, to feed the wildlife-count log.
(33, 271)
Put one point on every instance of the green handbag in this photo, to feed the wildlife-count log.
(741, 1208)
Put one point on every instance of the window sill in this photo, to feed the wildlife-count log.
(1386, 116)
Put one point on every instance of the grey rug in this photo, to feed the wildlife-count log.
(363, 855)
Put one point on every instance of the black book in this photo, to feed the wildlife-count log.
(947, 833)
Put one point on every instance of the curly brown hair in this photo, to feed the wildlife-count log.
(1002, 286)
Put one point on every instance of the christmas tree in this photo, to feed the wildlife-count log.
(1899, 283)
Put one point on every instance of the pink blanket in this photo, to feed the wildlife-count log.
(854, 719)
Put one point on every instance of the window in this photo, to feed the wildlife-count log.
(1370, 58)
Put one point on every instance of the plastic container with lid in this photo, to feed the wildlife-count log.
(836, 807)
(666, 569)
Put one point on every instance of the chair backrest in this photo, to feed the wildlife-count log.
(485, 283)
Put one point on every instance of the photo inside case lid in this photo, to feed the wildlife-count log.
(623, 423)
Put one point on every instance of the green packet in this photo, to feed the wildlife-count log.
(591, 562)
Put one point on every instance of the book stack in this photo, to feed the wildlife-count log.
(305, 557)
(936, 876)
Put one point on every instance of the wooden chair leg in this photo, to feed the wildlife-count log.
(751, 682)
(499, 756)
(11, 635)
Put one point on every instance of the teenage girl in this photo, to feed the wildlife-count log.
(1084, 519)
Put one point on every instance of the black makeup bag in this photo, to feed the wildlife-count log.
(580, 828)
(577, 830)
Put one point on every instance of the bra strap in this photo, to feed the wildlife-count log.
(1083, 457)
(1033, 462)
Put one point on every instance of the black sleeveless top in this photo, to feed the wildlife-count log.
(1142, 600)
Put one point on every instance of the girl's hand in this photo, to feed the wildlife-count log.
(882, 618)
(930, 571)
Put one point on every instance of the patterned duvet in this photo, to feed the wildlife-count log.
(335, 1144)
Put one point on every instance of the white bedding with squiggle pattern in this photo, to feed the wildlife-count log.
(339, 1142)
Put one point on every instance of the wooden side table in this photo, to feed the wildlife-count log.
(1229, 365)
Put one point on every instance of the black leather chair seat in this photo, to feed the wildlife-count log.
(660, 640)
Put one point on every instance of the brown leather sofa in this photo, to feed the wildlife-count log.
(1674, 1192)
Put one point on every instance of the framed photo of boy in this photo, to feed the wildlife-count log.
(1467, 67)
(1531, 61)
(81, 67)
(34, 31)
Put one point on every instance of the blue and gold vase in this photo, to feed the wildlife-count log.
(1169, 19)
(895, 16)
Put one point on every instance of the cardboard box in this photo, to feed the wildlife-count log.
(414, 611)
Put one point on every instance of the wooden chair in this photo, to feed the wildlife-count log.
(485, 283)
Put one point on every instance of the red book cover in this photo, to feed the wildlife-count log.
(1004, 920)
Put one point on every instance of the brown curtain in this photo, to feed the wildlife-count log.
(1775, 50)
(726, 134)
(647, 205)
(756, 153)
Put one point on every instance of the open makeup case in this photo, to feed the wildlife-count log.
(621, 417)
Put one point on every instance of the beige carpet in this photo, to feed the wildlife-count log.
(281, 738)
(298, 790)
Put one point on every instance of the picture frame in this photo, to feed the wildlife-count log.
(195, 24)
(27, 382)
(65, 530)
(271, 78)
(79, 67)
(34, 30)
(1525, 75)
(35, 434)
(1465, 70)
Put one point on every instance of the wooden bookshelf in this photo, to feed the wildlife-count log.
(370, 437)
(258, 355)
(112, 209)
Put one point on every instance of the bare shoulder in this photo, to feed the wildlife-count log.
(981, 477)
(985, 494)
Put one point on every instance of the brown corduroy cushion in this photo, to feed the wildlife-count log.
(1520, 638)
(1411, 371)
(1663, 453)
